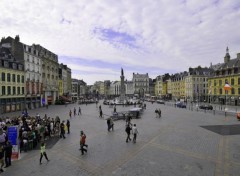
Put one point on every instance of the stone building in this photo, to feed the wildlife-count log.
(196, 84)
(226, 72)
(30, 57)
(141, 84)
(12, 82)
(49, 74)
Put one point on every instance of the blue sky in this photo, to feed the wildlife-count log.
(97, 38)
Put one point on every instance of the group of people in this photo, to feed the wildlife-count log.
(5, 148)
(75, 112)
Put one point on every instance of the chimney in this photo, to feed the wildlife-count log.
(17, 38)
(238, 55)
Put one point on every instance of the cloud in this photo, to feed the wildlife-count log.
(149, 36)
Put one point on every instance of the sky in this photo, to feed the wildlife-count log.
(96, 38)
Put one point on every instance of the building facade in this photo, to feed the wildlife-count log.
(29, 57)
(227, 72)
(12, 83)
(141, 84)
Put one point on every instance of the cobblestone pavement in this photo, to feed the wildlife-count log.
(174, 144)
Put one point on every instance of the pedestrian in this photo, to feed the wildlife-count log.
(1, 158)
(83, 142)
(62, 129)
(79, 111)
(108, 124)
(68, 126)
(100, 108)
(128, 119)
(128, 131)
(70, 113)
(74, 112)
(100, 113)
(43, 152)
(159, 113)
(111, 124)
(135, 132)
(115, 109)
(8, 153)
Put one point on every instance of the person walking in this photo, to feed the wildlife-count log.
(108, 124)
(83, 142)
(70, 113)
(43, 152)
(111, 124)
(8, 153)
(79, 111)
(100, 113)
(68, 126)
(159, 113)
(135, 132)
(74, 112)
(62, 133)
(128, 131)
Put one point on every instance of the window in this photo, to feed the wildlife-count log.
(220, 82)
(3, 90)
(233, 91)
(22, 90)
(14, 90)
(8, 77)
(22, 79)
(3, 76)
(13, 78)
(238, 81)
(18, 78)
(220, 91)
(215, 82)
(232, 81)
(9, 90)
(18, 90)
(238, 91)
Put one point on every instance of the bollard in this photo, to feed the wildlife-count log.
(205, 110)
(197, 109)
(214, 111)
(225, 113)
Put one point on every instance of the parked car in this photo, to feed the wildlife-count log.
(180, 105)
(238, 115)
(160, 102)
(206, 106)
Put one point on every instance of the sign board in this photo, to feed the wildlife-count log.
(43, 101)
(13, 138)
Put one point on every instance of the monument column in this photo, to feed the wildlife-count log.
(122, 89)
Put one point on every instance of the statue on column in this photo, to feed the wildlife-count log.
(122, 71)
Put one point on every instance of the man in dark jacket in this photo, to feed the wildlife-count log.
(62, 126)
(8, 153)
(128, 131)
